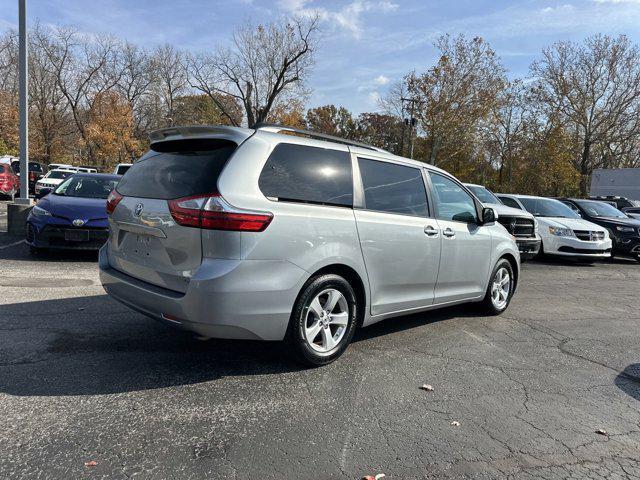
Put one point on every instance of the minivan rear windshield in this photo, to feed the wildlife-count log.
(179, 173)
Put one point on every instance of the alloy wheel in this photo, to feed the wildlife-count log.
(326, 320)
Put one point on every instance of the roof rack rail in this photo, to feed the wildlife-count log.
(275, 128)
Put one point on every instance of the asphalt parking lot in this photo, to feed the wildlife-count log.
(89, 389)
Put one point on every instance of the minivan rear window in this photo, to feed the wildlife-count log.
(178, 173)
(301, 173)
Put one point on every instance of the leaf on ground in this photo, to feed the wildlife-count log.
(455, 423)
(91, 463)
(427, 387)
(371, 477)
(602, 431)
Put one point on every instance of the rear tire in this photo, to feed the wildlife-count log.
(500, 288)
(323, 321)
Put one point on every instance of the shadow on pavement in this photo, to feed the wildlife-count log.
(93, 345)
(629, 380)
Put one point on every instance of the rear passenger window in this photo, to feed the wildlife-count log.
(308, 174)
(393, 188)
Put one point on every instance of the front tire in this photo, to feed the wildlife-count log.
(323, 321)
(500, 288)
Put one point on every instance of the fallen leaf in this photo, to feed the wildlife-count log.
(379, 476)
(427, 387)
(81, 308)
(455, 423)
(371, 477)
(602, 431)
(91, 463)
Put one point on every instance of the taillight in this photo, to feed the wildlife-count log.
(212, 212)
(112, 201)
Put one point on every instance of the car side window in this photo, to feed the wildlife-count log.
(392, 188)
(510, 202)
(452, 201)
(573, 207)
(308, 174)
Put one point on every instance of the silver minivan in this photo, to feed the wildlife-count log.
(273, 233)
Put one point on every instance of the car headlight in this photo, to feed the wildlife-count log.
(561, 232)
(40, 212)
(625, 229)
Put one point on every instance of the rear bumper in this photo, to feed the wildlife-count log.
(529, 247)
(237, 299)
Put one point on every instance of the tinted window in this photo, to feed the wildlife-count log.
(308, 174)
(181, 173)
(510, 202)
(483, 194)
(393, 188)
(601, 209)
(452, 201)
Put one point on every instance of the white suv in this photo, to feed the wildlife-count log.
(562, 230)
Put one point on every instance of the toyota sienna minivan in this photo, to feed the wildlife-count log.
(297, 236)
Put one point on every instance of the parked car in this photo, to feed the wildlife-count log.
(563, 231)
(36, 172)
(618, 202)
(122, 168)
(623, 230)
(519, 223)
(73, 215)
(255, 234)
(9, 181)
(87, 170)
(52, 179)
(633, 212)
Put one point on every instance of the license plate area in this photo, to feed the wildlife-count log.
(76, 235)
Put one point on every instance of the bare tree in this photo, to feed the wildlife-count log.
(593, 88)
(169, 79)
(135, 82)
(83, 68)
(266, 63)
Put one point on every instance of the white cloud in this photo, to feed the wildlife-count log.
(374, 98)
(348, 17)
(381, 80)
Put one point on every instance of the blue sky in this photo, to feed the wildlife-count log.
(366, 44)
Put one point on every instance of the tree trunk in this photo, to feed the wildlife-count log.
(585, 171)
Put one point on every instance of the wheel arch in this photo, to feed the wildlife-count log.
(514, 266)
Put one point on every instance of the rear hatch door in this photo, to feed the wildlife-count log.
(145, 241)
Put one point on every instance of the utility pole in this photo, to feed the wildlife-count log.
(23, 79)
(411, 121)
(18, 211)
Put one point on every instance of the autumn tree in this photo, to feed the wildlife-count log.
(266, 64)
(456, 95)
(380, 130)
(289, 113)
(109, 131)
(593, 90)
(331, 120)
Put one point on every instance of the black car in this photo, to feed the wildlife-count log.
(624, 231)
(618, 202)
(36, 172)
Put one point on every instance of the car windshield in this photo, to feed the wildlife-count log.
(600, 209)
(86, 187)
(58, 174)
(547, 207)
(484, 194)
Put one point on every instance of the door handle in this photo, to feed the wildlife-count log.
(448, 232)
(430, 231)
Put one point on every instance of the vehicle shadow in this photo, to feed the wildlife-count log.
(16, 249)
(93, 346)
(629, 380)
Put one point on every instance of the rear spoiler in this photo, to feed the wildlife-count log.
(235, 134)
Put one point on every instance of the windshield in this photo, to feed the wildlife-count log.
(484, 194)
(58, 174)
(547, 207)
(86, 187)
(600, 209)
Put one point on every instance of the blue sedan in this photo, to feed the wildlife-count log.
(73, 215)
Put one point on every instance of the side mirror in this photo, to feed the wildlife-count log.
(42, 193)
(489, 216)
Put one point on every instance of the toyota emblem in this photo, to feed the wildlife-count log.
(78, 222)
(138, 211)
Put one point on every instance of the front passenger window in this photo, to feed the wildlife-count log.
(452, 201)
